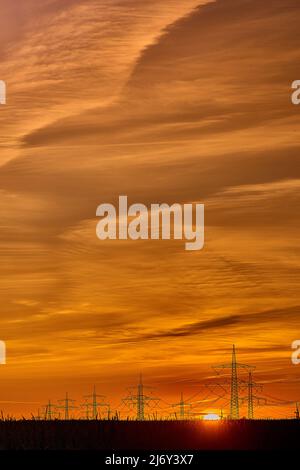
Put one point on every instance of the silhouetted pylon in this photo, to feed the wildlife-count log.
(67, 406)
(234, 398)
(234, 382)
(95, 404)
(182, 407)
(250, 397)
(49, 411)
(140, 400)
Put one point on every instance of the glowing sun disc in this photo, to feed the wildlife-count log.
(211, 417)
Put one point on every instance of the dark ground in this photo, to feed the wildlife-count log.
(149, 435)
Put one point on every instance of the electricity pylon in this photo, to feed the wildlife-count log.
(95, 404)
(234, 382)
(182, 407)
(250, 397)
(234, 399)
(67, 406)
(140, 400)
(49, 411)
(297, 413)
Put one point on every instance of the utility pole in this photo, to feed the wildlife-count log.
(140, 400)
(95, 404)
(67, 406)
(233, 366)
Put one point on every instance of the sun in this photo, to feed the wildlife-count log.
(211, 417)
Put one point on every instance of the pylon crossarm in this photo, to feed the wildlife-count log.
(65, 399)
(219, 368)
(92, 396)
(63, 406)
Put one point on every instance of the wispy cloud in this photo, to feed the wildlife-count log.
(172, 101)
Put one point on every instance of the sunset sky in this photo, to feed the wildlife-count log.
(169, 101)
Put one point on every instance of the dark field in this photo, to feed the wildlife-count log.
(160, 435)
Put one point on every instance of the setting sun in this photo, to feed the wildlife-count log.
(211, 417)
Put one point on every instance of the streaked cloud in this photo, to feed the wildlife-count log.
(173, 101)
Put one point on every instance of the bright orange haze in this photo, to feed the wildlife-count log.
(174, 101)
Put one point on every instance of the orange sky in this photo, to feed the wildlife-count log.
(165, 101)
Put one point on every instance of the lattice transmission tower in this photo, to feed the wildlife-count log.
(95, 404)
(250, 397)
(233, 366)
(184, 408)
(49, 411)
(67, 406)
(140, 400)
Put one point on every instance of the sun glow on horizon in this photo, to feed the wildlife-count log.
(211, 417)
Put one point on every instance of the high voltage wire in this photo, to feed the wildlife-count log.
(241, 391)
